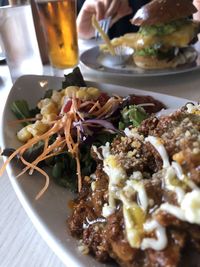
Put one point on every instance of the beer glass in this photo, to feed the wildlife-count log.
(58, 19)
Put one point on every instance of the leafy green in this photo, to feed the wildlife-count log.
(156, 51)
(34, 151)
(147, 51)
(21, 110)
(48, 93)
(74, 79)
(102, 138)
(64, 170)
(132, 115)
(163, 29)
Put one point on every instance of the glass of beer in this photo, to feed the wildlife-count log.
(58, 20)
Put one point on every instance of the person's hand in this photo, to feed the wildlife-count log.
(101, 9)
(196, 15)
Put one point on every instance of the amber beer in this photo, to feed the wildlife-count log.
(58, 19)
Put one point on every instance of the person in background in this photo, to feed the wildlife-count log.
(121, 12)
(4, 2)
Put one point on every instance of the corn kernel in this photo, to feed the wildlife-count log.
(56, 97)
(49, 108)
(82, 94)
(49, 117)
(24, 135)
(93, 92)
(43, 102)
(71, 90)
(37, 128)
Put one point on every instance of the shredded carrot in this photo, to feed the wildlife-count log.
(68, 138)
(43, 173)
(86, 103)
(105, 108)
(96, 105)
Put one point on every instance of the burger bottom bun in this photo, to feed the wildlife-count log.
(185, 56)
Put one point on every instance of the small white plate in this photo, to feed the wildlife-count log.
(49, 214)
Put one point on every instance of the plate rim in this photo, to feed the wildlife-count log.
(63, 254)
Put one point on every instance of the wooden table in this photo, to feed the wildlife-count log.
(20, 244)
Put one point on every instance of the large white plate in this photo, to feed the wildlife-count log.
(96, 60)
(49, 214)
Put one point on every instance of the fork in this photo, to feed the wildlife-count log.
(104, 24)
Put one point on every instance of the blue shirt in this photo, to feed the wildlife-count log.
(4, 2)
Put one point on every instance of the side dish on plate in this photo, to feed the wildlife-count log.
(165, 37)
(136, 171)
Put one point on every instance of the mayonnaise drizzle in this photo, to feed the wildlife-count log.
(177, 167)
(142, 195)
(173, 210)
(161, 238)
(191, 108)
(97, 152)
(157, 143)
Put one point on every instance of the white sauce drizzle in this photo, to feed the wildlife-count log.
(107, 210)
(97, 152)
(161, 239)
(189, 209)
(191, 206)
(177, 167)
(106, 150)
(191, 108)
(142, 195)
(88, 222)
(116, 176)
(173, 210)
(137, 175)
(156, 142)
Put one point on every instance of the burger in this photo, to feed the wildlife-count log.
(166, 32)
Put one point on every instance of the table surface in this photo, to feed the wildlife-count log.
(20, 244)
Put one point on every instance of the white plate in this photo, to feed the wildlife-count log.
(49, 214)
(2, 57)
(96, 60)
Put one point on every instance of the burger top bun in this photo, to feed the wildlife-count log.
(163, 11)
